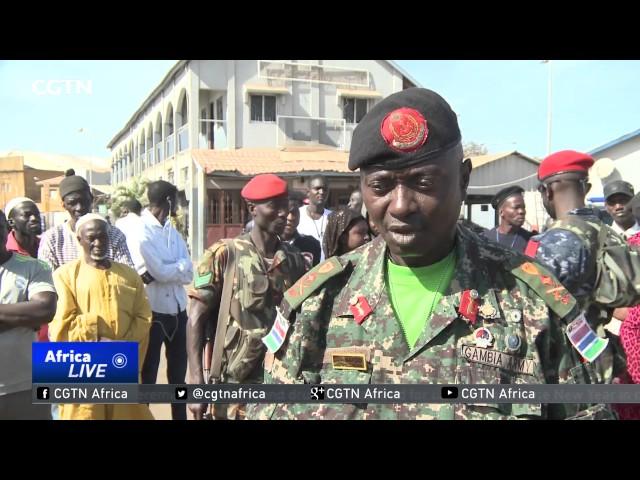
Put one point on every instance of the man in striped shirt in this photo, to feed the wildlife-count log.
(59, 245)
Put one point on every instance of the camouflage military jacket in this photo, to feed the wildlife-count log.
(258, 287)
(568, 256)
(518, 301)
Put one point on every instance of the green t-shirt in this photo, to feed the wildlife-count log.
(415, 292)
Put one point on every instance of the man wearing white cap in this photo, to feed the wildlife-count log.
(27, 301)
(100, 300)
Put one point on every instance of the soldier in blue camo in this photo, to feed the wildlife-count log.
(566, 249)
(500, 320)
(569, 257)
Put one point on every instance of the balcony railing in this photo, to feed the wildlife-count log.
(311, 131)
(170, 146)
(183, 138)
(213, 134)
(159, 152)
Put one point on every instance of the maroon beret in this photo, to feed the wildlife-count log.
(264, 187)
(564, 161)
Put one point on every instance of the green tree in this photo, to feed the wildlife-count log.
(473, 149)
(137, 189)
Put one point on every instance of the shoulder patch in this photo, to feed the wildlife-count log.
(203, 274)
(310, 282)
(546, 286)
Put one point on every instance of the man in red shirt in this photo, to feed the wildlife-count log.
(24, 238)
(24, 219)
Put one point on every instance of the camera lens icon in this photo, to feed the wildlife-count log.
(119, 360)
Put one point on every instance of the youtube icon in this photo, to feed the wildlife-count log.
(449, 392)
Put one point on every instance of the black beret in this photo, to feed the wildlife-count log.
(73, 183)
(404, 129)
(618, 186)
(505, 193)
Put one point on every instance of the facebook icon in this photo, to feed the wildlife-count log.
(43, 393)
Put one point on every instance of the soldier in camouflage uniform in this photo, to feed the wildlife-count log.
(265, 268)
(499, 318)
(564, 184)
(569, 250)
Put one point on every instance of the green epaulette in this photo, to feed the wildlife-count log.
(541, 281)
(310, 282)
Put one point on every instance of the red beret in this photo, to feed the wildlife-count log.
(564, 161)
(263, 187)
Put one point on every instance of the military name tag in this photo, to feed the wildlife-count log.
(349, 361)
(498, 359)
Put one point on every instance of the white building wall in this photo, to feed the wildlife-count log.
(626, 160)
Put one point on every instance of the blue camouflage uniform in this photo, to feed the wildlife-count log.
(569, 258)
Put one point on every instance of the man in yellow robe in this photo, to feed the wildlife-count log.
(100, 301)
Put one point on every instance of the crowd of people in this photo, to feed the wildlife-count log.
(392, 288)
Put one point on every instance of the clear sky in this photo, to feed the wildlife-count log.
(502, 104)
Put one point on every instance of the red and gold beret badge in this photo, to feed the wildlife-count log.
(404, 130)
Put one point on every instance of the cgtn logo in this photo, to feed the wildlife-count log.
(59, 87)
(85, 362)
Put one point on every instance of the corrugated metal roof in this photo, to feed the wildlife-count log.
(480, 160)
(54, 161)
(615, 142)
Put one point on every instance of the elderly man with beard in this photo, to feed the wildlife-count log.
(100, 301)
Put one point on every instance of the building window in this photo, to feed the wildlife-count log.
(203, 125)
(225, 207)
(263, 108)
(219, 112)
(170, 178)
(354, 109)
(232, 207)
(214, 207)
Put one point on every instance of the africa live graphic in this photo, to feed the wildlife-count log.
(85, 362)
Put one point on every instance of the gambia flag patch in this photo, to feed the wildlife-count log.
(585, 340)
(276, 336)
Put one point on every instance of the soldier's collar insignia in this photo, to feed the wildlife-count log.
(488, 311)
(360, 309)
(469, 306)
